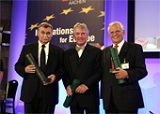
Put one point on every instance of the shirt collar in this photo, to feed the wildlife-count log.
(120, 44)
(40, 44)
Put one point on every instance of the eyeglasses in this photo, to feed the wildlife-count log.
(117, 31)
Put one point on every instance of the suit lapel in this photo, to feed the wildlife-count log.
(74, 59)
(51, 56)
(51, 51)
(34, 51)
(123, 52)
(108, 57)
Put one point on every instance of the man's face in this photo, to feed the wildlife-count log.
(81, 36)
(44, 34)
(116, 33)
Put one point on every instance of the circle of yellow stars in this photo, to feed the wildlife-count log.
(66, 12)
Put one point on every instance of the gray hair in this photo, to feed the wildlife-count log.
(81, 26)
(115, 23)
(45, 25)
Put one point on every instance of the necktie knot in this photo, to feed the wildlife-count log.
(79, 47)
(116, 46)
(43, 46)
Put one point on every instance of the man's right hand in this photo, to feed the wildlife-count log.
(30, 69)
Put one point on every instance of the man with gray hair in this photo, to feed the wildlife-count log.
(82, 62)
(119, 86)
(40, 97)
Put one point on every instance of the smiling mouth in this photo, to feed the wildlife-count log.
(45, 38)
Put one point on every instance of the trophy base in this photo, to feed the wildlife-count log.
(48, 80)
(121, 81)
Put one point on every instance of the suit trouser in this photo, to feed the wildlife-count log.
(79, 110)
(39, 104)
(112, 108)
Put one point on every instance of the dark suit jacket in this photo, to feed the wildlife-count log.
(30, 81)
(127, 96)
(87, 70)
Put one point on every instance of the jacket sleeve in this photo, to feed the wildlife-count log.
(137, 68)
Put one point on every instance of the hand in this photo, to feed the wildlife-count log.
(81, 89)
(52, 77)
(120, 73)
(30, 69)
(69, 90)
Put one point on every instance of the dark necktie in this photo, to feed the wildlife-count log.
(116, 46)
(42, 59)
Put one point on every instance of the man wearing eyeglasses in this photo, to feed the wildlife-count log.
(125, 97)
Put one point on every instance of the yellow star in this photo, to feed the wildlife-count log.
(102, 14)
(86, 10)
(49, 17)
(102, 29)
(33, 26)
(66, 11)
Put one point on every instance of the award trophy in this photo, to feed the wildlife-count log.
(38, 70)
(117, 63)
(69, 99)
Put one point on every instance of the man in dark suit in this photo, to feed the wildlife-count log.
(83, 63)
(125, 97)
(39, 97)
